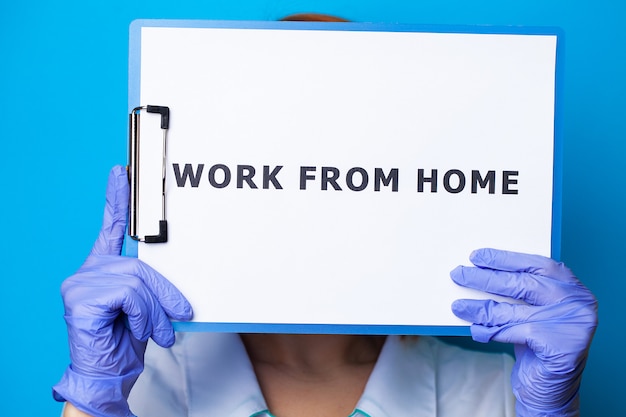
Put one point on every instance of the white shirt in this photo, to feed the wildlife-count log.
(210, 375)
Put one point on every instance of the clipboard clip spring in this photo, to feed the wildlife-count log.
(133, 172)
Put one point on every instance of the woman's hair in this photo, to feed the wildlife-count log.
(312, 17)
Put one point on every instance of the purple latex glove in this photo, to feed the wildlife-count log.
(551, 333)
(113, 304)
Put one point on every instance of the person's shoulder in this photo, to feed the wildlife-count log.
(205, 373)
(162, 387)
(467, 379)
(450, 352)
(452, 364)
(457, 361)
(477, 379)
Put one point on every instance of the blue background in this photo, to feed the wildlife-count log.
(63, 124)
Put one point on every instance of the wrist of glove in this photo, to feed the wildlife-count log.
(98, 396)
(571, 409)
(541, 390)
(106, 365)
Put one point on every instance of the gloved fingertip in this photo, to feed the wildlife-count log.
(167, 343)
(461, 309)
(481, 256)
(457, 275)
(188, 312)
(118, 171)
(183, 316)
(187, 315)
(181, 310)
(164, 337)
(482, 334)
(458, 306)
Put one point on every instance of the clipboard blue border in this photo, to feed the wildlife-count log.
(557, 196)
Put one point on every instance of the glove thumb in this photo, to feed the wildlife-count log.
(111, 235)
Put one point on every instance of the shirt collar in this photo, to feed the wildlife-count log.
(235, 392)
(393, 390)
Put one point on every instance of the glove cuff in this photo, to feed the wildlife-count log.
(571, 409)
(97, 396)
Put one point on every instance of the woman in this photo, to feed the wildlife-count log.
(114, 304)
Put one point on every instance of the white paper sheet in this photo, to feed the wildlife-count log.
(359, 100)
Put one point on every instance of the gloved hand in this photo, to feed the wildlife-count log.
(551, 332)
(113, 304)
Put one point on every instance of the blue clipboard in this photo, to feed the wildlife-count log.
(323, 179)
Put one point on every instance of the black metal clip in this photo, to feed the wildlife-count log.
(133, 172)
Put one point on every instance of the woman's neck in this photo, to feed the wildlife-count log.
(312, 375)
(312, 353)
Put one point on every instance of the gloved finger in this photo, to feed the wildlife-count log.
(534, 326)
(111, 237)
(492, 313)
(521, 262)
(98, 307)
(146, 317)
(531, 288)
(489, 318)
(102, 346)
(484, 334)
(555, 345)
(168, 296)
